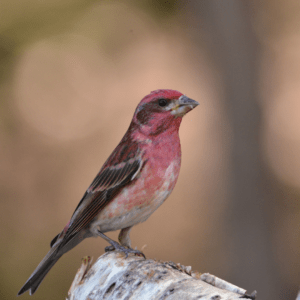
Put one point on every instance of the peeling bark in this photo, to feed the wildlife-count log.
(114, 277)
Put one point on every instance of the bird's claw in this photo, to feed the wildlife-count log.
(109, 248)
(125, 250)
(251, 296)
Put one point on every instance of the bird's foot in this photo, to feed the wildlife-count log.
(251, 296)
(109, 248)
(125, 250)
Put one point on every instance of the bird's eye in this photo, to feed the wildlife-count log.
(162, 102)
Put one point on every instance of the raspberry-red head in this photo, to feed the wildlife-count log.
(165, 94)
(162, 110)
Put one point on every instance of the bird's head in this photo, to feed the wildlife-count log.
(162, 110)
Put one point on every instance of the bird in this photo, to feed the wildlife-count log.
(133, 182)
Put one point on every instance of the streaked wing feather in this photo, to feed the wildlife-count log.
(103, 188)
(109, 179)
(85, 217)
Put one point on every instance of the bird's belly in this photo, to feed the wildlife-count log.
(135, 203)
(129, 218)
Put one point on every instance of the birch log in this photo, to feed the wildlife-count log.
(114, 277)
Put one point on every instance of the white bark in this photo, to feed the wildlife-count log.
(114, 277)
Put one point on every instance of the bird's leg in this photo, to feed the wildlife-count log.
(113, 243)
(123, 237)
(125, 241)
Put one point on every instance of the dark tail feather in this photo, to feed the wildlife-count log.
(40, 272)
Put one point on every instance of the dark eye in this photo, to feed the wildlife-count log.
(162, 102)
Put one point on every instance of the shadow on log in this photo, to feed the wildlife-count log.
(114, 277)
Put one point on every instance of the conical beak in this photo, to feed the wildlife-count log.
(183, 106)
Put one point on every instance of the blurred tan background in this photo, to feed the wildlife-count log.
(71, 75)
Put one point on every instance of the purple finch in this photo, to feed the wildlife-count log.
(134, 181)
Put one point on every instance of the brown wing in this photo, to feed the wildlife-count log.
(106, 184)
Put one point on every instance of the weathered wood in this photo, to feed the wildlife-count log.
(114, 277)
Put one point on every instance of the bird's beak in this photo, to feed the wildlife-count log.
(183, 105)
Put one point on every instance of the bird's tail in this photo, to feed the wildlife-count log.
(41, 271)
